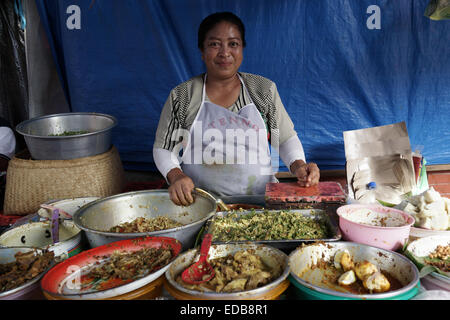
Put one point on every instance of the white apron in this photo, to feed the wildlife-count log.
(227, 153)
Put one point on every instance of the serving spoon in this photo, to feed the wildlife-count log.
(55, 225)
(63, 213)
(201, 271)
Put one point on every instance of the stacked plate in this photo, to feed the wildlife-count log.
(433, 278)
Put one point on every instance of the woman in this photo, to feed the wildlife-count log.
(224, 121)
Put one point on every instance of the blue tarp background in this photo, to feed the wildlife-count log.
(332, 72)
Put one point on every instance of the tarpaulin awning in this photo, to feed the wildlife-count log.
(339, 65)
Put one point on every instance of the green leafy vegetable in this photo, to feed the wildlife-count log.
(279, 225)
(69, 133)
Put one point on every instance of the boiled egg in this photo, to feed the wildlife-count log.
(364, 269)
(343, 260)
(377, 282)
(347, 278)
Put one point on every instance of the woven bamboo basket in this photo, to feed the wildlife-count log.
(30, 183)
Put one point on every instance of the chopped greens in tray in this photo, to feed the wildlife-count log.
(267, 225)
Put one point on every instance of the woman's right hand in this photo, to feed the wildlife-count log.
(180, 189)
(308, 174)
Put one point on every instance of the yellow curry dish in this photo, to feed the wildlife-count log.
(242, 271)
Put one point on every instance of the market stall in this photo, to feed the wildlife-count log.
(292, 242)
(373, 227)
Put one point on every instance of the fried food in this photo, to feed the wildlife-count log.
(26, 267)
(146, 225)
(440, 258)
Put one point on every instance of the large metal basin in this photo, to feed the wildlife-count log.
(98, 216)
(43, 146)
(313, 284)
(272, 257)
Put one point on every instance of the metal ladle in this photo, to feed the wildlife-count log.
(219, 202)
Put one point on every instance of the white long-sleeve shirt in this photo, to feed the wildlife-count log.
(184, 102)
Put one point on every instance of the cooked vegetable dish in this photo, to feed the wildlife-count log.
(241, 272)
(268, 225)
(130, 265)
(26, 267)
(146, 225)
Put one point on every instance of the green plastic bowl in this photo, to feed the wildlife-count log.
(396, 264)
(305, 293)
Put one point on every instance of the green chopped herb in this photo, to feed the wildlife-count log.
(69, 133)
(265, 225)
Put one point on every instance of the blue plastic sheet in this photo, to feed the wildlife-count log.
(338, 64)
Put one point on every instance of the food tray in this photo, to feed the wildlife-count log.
(285, 245)
(247, 199)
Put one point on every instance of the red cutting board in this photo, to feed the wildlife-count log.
(292, 192)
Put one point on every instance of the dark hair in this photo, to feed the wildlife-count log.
(210, 21)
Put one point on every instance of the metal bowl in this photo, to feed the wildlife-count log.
(98, 216)
(38, 235)
(315, 286)
(43, 146)
(272, 257)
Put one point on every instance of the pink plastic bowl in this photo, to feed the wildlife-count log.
(389, 238)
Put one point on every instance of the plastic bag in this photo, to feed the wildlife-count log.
(422, 181)
(432, 295)
(438, 10)
(13, 71)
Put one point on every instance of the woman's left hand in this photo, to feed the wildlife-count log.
(308, 174)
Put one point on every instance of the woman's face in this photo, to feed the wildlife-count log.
(222, 51)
